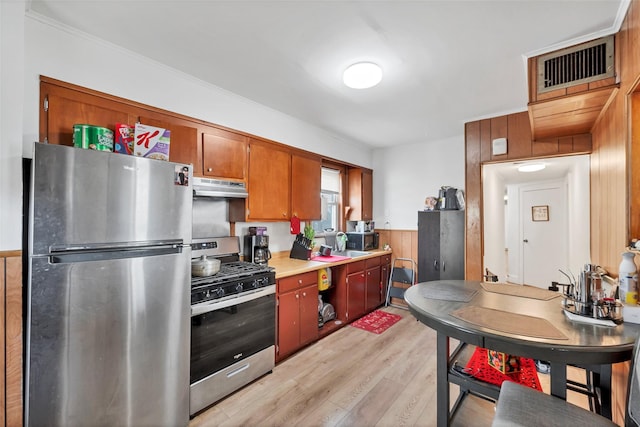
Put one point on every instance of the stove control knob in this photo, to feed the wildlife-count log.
(239, 287)
(255, 284)
(207, 294)
(219, 292)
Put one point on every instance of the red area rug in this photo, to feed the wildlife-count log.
(480, 369)
(377, 321)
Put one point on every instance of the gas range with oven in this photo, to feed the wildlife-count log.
(232, 323)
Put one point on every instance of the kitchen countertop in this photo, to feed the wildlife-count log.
(286, 266)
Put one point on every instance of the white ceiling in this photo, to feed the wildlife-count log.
(444, 62)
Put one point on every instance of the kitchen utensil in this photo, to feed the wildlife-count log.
(205, 266)
(325, 250)
(341, 241)
(327, 312)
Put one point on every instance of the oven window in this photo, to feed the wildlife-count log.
(223, 337)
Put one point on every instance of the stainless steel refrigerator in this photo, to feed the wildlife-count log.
(108, 297)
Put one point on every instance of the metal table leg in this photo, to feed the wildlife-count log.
(442, 389)
(604, 382)
(559, 380)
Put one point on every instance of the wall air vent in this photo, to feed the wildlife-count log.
(576, 65)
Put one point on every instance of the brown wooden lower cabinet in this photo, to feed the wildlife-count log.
(297, 313)
(372, 284)
(11, 339)
(355, 290)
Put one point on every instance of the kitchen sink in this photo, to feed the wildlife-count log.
(350, 253)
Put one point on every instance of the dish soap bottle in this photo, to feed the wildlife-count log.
(628, 279)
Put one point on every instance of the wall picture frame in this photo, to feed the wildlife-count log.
(540, 213)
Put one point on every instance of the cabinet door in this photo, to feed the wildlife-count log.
(372, 288)
(224, 155)
(428, 246)
(269, 175)
(308, 314)
(355, 295)
(63, 108)
(367, 195)
(306, 174)
(288, 323)
(184, 139)
(360, 185)
(452, 245)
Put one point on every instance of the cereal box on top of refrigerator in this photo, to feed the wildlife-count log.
(124, 139)
(152, 142)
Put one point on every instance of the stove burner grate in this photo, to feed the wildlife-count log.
(233, 278)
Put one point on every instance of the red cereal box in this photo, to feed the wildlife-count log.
(124, 139)
(503, 362)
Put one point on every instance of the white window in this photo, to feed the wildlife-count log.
(330, 200)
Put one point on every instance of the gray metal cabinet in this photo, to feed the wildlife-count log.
(440, 245)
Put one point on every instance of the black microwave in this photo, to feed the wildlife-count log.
(363, 241)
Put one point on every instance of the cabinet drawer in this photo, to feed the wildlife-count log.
(354, 267)
(372, 262)
(295, 282)
(385, 259)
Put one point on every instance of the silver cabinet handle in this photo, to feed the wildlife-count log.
(435, 264)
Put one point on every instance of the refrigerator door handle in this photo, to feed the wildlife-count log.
(89, 256)
(55, 249)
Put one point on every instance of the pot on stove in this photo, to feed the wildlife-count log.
(205, 266)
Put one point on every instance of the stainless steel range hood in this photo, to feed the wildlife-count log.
(205, 187)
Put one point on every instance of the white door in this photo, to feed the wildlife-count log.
(545, 232)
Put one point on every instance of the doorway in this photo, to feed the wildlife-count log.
(503, 225)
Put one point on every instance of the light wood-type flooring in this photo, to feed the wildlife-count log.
(354, 378)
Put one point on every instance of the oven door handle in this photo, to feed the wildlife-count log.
(209, 306)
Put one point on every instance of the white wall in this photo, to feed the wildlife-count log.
(11, 105)
(404, 176)
(33, 46)
(579, 214)
(494, 224)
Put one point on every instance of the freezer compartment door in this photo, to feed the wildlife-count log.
(108, 341)
(85, 196)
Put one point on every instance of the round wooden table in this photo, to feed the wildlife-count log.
(441, 304)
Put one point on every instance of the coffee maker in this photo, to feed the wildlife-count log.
(256, 249)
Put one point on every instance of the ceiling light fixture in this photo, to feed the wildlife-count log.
(362, 75)
(532, 167)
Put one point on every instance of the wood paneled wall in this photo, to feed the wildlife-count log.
(615, 162)
(11, 380)
(404, 243)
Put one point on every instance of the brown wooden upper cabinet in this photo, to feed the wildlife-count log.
(281, 183)
(360, 185)
(269, 185)
(306, 173)
(61, 108)
(224, 155)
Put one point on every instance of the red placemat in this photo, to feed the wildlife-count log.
(330, 258)
(480, 369)
(377, 321)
